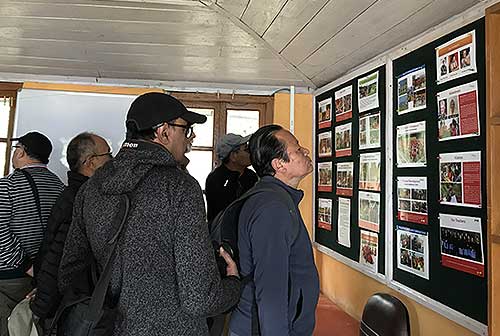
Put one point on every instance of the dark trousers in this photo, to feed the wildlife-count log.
(12, 291)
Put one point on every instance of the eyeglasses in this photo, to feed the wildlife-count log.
(188, 129)
(110, 154)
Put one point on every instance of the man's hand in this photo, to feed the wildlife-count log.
(231, 268)
(31, 294)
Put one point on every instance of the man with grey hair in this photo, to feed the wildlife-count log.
(85, 154)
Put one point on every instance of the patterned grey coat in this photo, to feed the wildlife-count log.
(165, 279)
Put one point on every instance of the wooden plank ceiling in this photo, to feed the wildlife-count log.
(306, 43)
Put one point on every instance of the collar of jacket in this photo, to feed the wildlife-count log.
(76, 179)
(296, 194)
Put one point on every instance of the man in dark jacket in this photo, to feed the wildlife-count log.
(164, 279)
(231, 178)
(281, 299)
(85, 154)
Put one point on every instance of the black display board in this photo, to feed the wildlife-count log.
(459, 290)
(326, 237)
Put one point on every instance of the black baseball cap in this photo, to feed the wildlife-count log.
(37, 144)
(153, 108)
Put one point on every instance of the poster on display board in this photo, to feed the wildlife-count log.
(325, 214)
(458, 112)
(325, 113)
(369, 131)
(412, 199)
(325, 144)
(412, 90)
(344, 178)
(411, 148)
(413, 251)
(343, 104)
(368, 250)
(369, 171)
(368, 92)
(456, 58)
(462, 243)
(344, 222)
(343, 137)
(369, 211)
(325, 176)
(460, 178)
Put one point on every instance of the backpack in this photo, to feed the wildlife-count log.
(223, 228)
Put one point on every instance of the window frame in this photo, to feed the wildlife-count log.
(9, 90)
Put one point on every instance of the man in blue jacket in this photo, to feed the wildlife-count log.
(281, 298)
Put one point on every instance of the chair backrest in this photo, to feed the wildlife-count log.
(384, 315)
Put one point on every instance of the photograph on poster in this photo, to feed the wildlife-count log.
(325, 176)
(412, 199)
(462, 243)
(368, 92)
(369, 131)
(460, 179)
(458, 112)
(343, 104)
(325, 144)
(344, 178)
(325, 113)
(344, 222)
(369, 211)
(412, 90)
(343, 140)
(411, 145)
(456, 58)
(413, 251)
(325, 214)
(369, 171)
(368, 250)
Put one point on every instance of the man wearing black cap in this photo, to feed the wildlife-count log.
(26, 199)
(164, 280)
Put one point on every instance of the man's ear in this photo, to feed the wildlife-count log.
(277, 165)
(163, 133)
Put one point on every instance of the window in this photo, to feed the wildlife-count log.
(239, 114)
(8, 93)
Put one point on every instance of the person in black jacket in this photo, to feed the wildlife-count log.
(231, 178)
(85, 154)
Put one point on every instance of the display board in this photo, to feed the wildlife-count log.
(350, 161)
(439, 193)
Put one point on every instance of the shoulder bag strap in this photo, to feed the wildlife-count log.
(34, 189)
(99, 293)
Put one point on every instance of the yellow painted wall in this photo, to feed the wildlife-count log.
(348, 288)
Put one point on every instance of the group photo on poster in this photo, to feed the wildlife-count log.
(411, 147)
(413, 251)
(456, 58)
(343, 104)
(412, 90)
(369, 211)
(369, 171)
(324, 176)
(344, 178)
(325, 214)
(344, 222)
(325, 113)
(460, 178)
(369, 131)
(462, 243)
(458, 112)
(412, 199)
(368, 250)
(343, 137)
(368, 92)
(325, 144)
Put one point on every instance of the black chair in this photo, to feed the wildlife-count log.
(384, 315)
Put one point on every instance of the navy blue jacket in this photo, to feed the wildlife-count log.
(285, 282)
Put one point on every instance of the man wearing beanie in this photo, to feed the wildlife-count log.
(231, 178)
(164, 279)
(26, 199)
